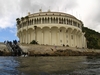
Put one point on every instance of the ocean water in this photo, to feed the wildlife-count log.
(8, 66)
(50, 65)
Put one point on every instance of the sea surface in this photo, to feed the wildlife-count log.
(50, 65)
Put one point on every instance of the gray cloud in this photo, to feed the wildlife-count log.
(12, 9)
(35, 5)
(92, 19)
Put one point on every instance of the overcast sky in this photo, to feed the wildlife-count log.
(85, 10)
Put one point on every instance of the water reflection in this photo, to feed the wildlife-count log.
(93, 66)
(51, 65)
(8, 66)
(69, 65)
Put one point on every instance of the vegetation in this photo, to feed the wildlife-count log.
(18, 21)
(22, 18)
(33, 42)
(93, 38)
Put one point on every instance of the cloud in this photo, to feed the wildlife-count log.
(86, 10)
(7, 13)
(12, 9)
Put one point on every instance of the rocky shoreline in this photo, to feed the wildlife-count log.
(41, 50)
(66, 52)
(38, 50)
(3, 50)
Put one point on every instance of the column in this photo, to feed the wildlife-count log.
(33, 21)
(75, 41)
(72, 22)
(50, 37)
(41, 20)
(64, 38)
(78, 40)
(69, 39)
(81, 40)
(21, 38)
(42, 38)
(32, 38)
(49, 20)
(58, 38)
(34, 34)
(26, 37)
(58, 20)
(66, 21)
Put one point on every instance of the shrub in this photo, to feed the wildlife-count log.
(33, 42)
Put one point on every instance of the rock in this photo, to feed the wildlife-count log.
(38, 50)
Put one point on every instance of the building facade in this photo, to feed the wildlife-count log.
(51, 28)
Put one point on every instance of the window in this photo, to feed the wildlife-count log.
(60, 30)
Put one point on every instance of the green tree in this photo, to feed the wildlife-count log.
(92, 37)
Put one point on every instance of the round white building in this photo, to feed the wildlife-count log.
(51, 28)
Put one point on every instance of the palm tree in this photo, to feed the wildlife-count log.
(18, 21)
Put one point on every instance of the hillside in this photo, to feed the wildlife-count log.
(93, 38)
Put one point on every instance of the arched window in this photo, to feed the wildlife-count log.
(67, 21)
(51, 20)
(56, 20)
(70, 22)
(28, 23)
(48, 20)
(39, 20)
(43, 20)
(32, 21)
(64, 21)
(60, 21)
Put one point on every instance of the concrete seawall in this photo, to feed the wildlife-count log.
(41, 50)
